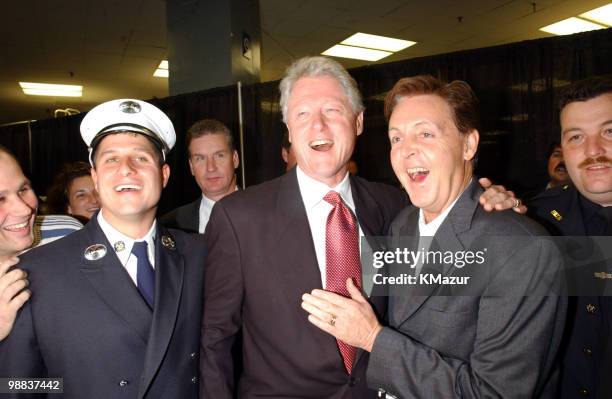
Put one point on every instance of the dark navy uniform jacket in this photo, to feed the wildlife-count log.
(586, 352)
(87, 323)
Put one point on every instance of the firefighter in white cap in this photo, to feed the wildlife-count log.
(116, 307)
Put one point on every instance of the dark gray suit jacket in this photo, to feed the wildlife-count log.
(186, 217)
(261, 261)
(496, 337)
(87, 323)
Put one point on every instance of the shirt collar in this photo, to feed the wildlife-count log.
(207, 201)
(122, 244)
(430, 229)
(313, 190)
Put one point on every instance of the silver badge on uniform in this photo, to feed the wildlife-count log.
(130, 107)
(95, 252)
(168, 242)
(119, 246)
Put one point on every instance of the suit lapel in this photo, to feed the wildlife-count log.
(294, 236)
(293, 226)
(195, 214)
(401, 298)
(112, 283)
(369, 215)
(169, 272)
(371, 221)
(299, 266)
(191, 216)
(446, 239)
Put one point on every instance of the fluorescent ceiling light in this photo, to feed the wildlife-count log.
(603, 15)
(357, 53)
(363, 46)
(162, 70)
(570, 26)
(377, 42)
(161, 73)
(46, 89)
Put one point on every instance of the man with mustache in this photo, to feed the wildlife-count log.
(584, 208)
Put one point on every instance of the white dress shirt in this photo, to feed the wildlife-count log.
(206, 205)
(122, 245)
(317, 210)
(428, 230)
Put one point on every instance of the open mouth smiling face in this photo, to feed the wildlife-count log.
(18, 205)
(322, 128)
(429, 155)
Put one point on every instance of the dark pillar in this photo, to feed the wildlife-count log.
(212, 43)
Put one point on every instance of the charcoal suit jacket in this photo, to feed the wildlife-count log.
(497, 336)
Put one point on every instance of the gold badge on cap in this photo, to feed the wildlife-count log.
(168, 242)
(119, 246)
(556, 215)
(130, 107)
(603, 275)
(95, 252)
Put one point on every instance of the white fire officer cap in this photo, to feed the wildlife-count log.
(127, 115)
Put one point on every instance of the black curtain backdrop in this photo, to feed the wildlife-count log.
(517, 84)
(263, 138)
(15, 138)
(54, 143)
(184, 110)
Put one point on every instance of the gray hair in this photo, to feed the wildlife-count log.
(319, 66)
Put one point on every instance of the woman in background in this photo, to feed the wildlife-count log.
(73, 192)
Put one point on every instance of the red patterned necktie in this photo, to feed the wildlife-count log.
(342, 258)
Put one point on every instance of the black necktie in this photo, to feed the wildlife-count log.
(145, 275)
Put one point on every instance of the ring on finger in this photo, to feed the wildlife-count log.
(332, 320)
(517, 203)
